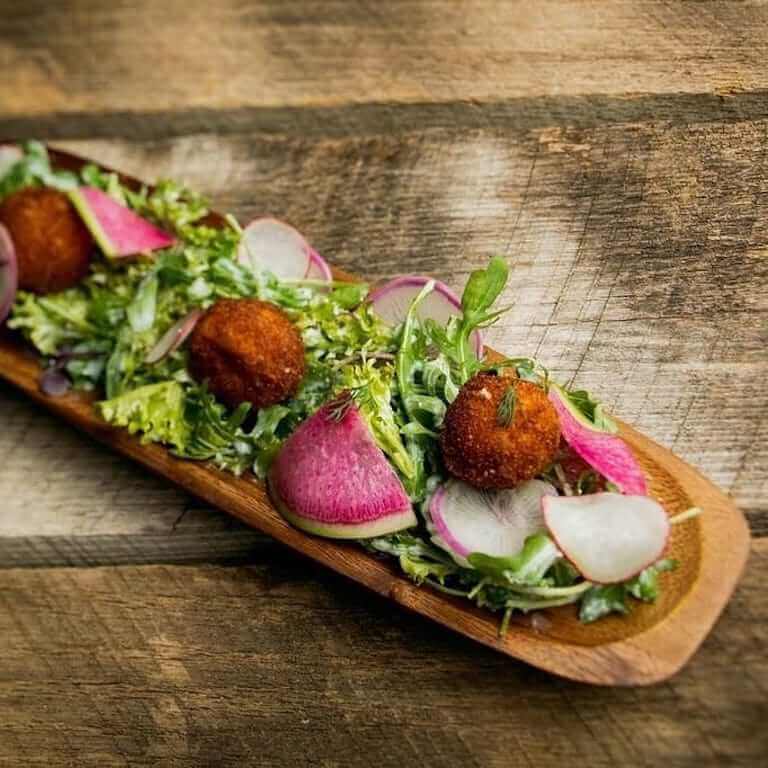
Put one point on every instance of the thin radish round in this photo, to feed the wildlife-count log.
(392, 300)
(9, 156)
(9, 273)
(174, 337)
(608, 537)
(273, 246)
(318, 267)
(605, 452)
(497, 523)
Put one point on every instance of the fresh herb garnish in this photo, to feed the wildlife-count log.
(505, 413)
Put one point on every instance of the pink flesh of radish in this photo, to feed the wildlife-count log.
(318, 267)
(9, 156)
(392, 300)
(467, 520)
(331, 479)
(606, 453)
(117, 229)
(174, 337)
(273, 246)
(9, 273)
(607, 536)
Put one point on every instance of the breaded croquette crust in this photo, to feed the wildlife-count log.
(53, 246)
(486, 454)
(248, 351)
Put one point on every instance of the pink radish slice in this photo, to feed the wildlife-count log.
(331, 479)
(607, 536)
(608, 454)
(392, 301)
(9, 273)
(116, 228)
(271, 245)
(9, 156)
(467, 520)
(318, 267)
(174, 337)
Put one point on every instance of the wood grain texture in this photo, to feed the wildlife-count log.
(282, 664)
(649, 645)
(639, 270)
(140, 55)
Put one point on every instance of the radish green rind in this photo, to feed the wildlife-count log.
(117, 229)
(608, 537)
(331, 479)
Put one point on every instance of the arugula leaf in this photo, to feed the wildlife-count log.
(483, 288)
(646, 585)
(599, 601)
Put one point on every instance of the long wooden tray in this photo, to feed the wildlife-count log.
(648, 646)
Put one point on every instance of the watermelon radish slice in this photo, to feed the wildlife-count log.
(331, 479)
(607, 536)
(392, 301)
(274, 246)
(318, 268)
(467, 520)
(9, 273)
(9, 156)
(117, 229)
(606, 453)
(174, 337)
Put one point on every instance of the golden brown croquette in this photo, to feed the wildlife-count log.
(479, 448)
(53, 246)
(248, 351)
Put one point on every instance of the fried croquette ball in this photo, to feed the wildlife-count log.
(248, 351)
(53, 246)
(481, 448)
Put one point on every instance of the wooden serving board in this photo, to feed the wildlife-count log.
(648, 646)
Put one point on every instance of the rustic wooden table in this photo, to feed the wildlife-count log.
(614, 152)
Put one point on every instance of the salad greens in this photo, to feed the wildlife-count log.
(401, 379)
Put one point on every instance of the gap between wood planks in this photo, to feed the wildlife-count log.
(394, 118)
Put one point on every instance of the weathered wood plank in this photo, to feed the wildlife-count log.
(131, 55)
(276, 665)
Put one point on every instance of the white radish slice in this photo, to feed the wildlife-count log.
(392, 301)
(9, 156)
(607, 536)
(9, 273)
(497, 523)
(271, 245)
(318, 267)
(174, 337)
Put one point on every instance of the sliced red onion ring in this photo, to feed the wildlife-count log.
(318, 267)
(174, 337)
(392, 300)
(9, 273)
(54, 382)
